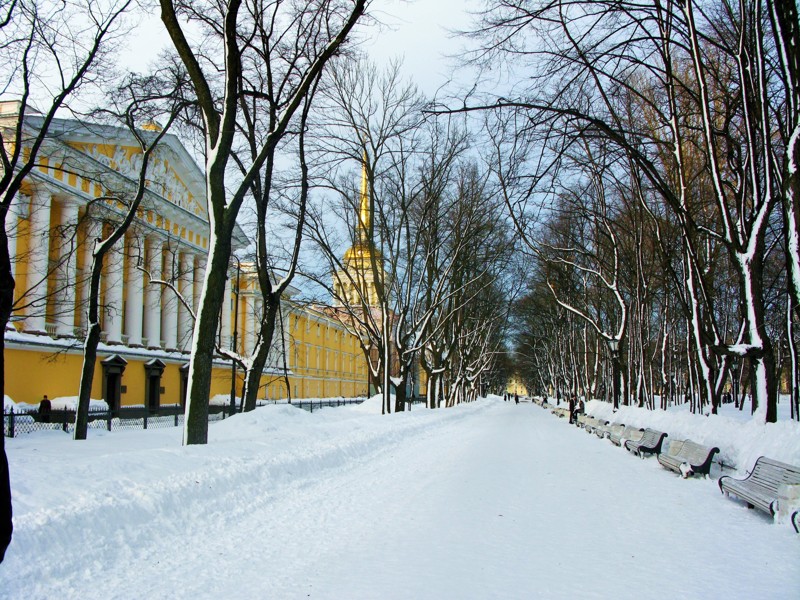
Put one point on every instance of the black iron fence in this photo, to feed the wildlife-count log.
(21, 421)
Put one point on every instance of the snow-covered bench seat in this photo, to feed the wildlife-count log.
(590, 423)
(599, 428)
(605, 429)
(625, 432)
(560, 412)
(688, 458)
(649, 443)
(760, 489)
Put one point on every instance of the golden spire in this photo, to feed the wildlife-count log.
(364, 212)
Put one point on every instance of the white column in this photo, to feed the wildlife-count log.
(225, 317)
(169, 307)
(134, 293)
(186, 289)
(38, 263)
(255, 323)
(247, 328)
(114, 294)
(94, 230)
(152, 301)
(17, 208)
(199, 279)
(65, 297)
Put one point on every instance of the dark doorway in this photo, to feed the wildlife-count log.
(113, 368)
(153, 370)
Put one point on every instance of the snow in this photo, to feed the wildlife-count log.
(223, 400)
(71, 403)
(59, 403)
(740, 438)
(486, 500)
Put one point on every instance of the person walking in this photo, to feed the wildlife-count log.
(516, 398)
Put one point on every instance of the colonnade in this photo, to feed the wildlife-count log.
(135, 312)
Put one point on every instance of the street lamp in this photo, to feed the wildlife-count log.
(613, 347)
(735, 380)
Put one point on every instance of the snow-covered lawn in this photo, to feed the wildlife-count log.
(487, 500)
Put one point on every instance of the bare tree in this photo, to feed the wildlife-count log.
(287, 43)
(48, 51)
(371, 119)
(700, 79)
(149, 97)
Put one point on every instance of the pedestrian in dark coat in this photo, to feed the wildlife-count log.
(516, 398)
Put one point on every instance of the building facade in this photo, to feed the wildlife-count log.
(79, 188)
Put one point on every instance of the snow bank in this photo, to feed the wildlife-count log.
(370, 406)
(740, 442)
(223, 400)
(257, 424)
(70, 403)
(8, 403)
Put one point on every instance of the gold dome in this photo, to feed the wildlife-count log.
(361, 253)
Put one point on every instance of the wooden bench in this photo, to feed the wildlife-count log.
(590, 424)
(760, 488)
(560, 412)
(649, 443)
(600, 428)
(625, 432)
(605, 431)
(688, 458)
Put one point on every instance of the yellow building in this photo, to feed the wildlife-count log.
(65, 204)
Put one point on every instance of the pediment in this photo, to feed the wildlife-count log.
(166, 175)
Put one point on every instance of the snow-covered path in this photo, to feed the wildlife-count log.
(491, 500)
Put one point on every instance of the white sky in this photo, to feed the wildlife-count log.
(415, 30)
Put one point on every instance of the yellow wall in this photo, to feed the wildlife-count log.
(325, 359)
(329, 359)
(30, 374)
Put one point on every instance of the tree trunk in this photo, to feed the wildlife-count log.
(762, 360)
(6, 302)
(253, 375)
(205, 336)
(89, 351)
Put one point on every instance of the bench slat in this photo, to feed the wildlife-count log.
(650, 443)
(686, 452)
(760, 487)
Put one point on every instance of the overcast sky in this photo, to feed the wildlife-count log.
(415, 30)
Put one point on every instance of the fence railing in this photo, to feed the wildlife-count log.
(18, 422)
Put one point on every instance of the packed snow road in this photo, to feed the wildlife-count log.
(489, 500)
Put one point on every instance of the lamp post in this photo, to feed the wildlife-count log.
(735, 380)
(234, 344)
(613, 347)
